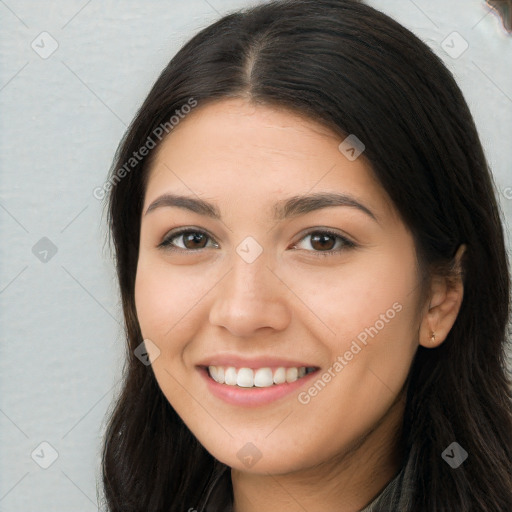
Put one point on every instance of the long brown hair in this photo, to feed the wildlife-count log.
(358, 71)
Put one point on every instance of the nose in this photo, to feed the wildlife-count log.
(250, 300)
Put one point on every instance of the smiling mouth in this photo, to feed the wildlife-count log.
(257, 377)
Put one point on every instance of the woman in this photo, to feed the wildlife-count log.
(314, 278)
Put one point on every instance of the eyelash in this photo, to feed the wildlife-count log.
(347, 244)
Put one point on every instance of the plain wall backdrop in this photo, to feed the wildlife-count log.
(72, 76)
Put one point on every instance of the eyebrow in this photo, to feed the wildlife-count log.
(284, 209)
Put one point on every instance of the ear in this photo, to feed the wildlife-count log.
(443, 308)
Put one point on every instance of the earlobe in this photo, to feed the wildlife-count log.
(446, 296)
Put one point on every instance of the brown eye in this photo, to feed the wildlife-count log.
(194, 240)
(325, 243)
(190, 240)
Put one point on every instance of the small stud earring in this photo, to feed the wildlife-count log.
(433, 337)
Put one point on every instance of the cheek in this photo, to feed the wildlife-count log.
(369, 290)
(152, 304)
(171, 300)
(366, 314)
(162, 297)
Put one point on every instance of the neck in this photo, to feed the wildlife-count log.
(346, 483)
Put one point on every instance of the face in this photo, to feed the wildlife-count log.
(261, 278)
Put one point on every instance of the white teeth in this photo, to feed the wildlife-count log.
(261, 377)
(230, 376)
(245, 378)
(291, 374)
(280, 376)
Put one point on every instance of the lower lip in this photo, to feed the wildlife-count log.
(253, 397)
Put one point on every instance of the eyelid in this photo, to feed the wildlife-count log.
(348, 243)
(177, 232)
(325, 230)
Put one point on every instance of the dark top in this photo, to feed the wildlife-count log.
(219, 494)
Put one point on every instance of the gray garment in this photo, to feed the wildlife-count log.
(385, 495)
(219, 497)
(393, 498)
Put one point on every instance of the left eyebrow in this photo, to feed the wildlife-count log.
(283, 209)
(300, 205)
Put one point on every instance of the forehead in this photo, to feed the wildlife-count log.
(233, 146)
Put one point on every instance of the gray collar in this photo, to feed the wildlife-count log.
(219, 495)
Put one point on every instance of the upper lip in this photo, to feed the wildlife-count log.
(252, 362)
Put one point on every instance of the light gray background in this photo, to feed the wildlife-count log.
(61, 120)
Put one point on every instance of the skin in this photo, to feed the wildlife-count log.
(337, 452)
